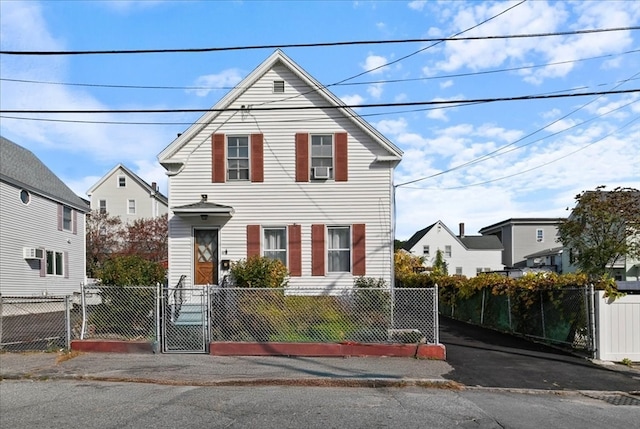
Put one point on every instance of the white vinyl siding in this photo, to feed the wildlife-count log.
(279, 200)
(36, 225)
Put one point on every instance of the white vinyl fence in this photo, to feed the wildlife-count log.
(618, 328)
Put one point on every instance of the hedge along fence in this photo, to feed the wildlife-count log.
(547, 306)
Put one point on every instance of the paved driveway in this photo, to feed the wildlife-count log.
(482, 357)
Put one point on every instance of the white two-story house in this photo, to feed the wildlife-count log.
(42, 224)
(123, 193)
(465, 255)
(280, 168)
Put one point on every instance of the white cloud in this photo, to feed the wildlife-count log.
(225, 80)
(374, 64)
(417, 4)
(375, 90)
(446, 84)
(352, 100)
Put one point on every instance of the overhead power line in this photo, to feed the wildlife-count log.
(352, 106)
(313, 45)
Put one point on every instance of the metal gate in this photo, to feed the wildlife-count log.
(185, 319)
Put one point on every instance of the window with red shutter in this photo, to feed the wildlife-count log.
(295, 250)
(317, 250)
(253, 240)
(302, 157)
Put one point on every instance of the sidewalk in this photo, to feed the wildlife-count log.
(206, 370)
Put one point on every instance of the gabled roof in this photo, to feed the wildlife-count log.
(134, 177)
(469, 242)
(395, 154)
(21, 168)
(482, 242)
(417, 237)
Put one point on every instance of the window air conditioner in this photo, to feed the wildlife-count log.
(32, 253)
(320, 172)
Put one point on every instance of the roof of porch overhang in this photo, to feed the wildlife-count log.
(203, 208)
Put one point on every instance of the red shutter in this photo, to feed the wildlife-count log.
(253, 240)
(60, 213)
(317, 250)
(66, 264)
(341, 173)
(75, 222)
(359, 249)
(257, 158)
(302, 157)
(295, 250)
(218, 159)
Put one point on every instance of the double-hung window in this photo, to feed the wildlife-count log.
(447, 251)
(321, 156)
(339, 248)
(103, 206)
(539, 235)
(425, 250)
(55, 263)
(238, 158)
(275, 244)
(67, 218)
(122, 181)
(131, 207)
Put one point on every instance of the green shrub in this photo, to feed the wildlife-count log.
(259, 272)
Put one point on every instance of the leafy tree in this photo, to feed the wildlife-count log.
(407, 266)
(397, 244)
(147, 238)
(103, 239)
(603, 227)
(440, 265)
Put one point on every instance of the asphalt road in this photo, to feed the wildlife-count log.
(482, 357)
(89, 404)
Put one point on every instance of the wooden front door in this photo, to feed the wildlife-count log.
(205, 256)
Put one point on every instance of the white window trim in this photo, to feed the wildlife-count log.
(428, 250)
(121, 176)
(248, 136)
(54, 254)
(540, 235)
(286, 242)
(135, 206)
(100, 205)
(444, 252)
(329, 249)
(333, 156)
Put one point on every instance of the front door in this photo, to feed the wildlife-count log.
(205, 252)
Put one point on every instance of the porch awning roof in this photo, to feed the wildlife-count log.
(203, 208)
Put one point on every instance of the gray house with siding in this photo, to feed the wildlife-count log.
(42, 227)
(522, 237)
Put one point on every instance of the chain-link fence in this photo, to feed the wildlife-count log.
(556, 316)
(119, 312)
(36, 323)
(307, 315)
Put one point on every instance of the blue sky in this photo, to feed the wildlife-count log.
(527, 158)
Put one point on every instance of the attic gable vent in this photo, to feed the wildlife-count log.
(278, 86)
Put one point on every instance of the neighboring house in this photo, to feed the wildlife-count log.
(464, 255)
(42, 241)
(546, 260)
(524, 236)
(280, 168)
(123, 193)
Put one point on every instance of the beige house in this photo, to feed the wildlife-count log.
(123, 193)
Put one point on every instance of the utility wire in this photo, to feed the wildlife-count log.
(313, 45)
(354, 106)
(371, 82)
(538, 166)
(499, 151)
